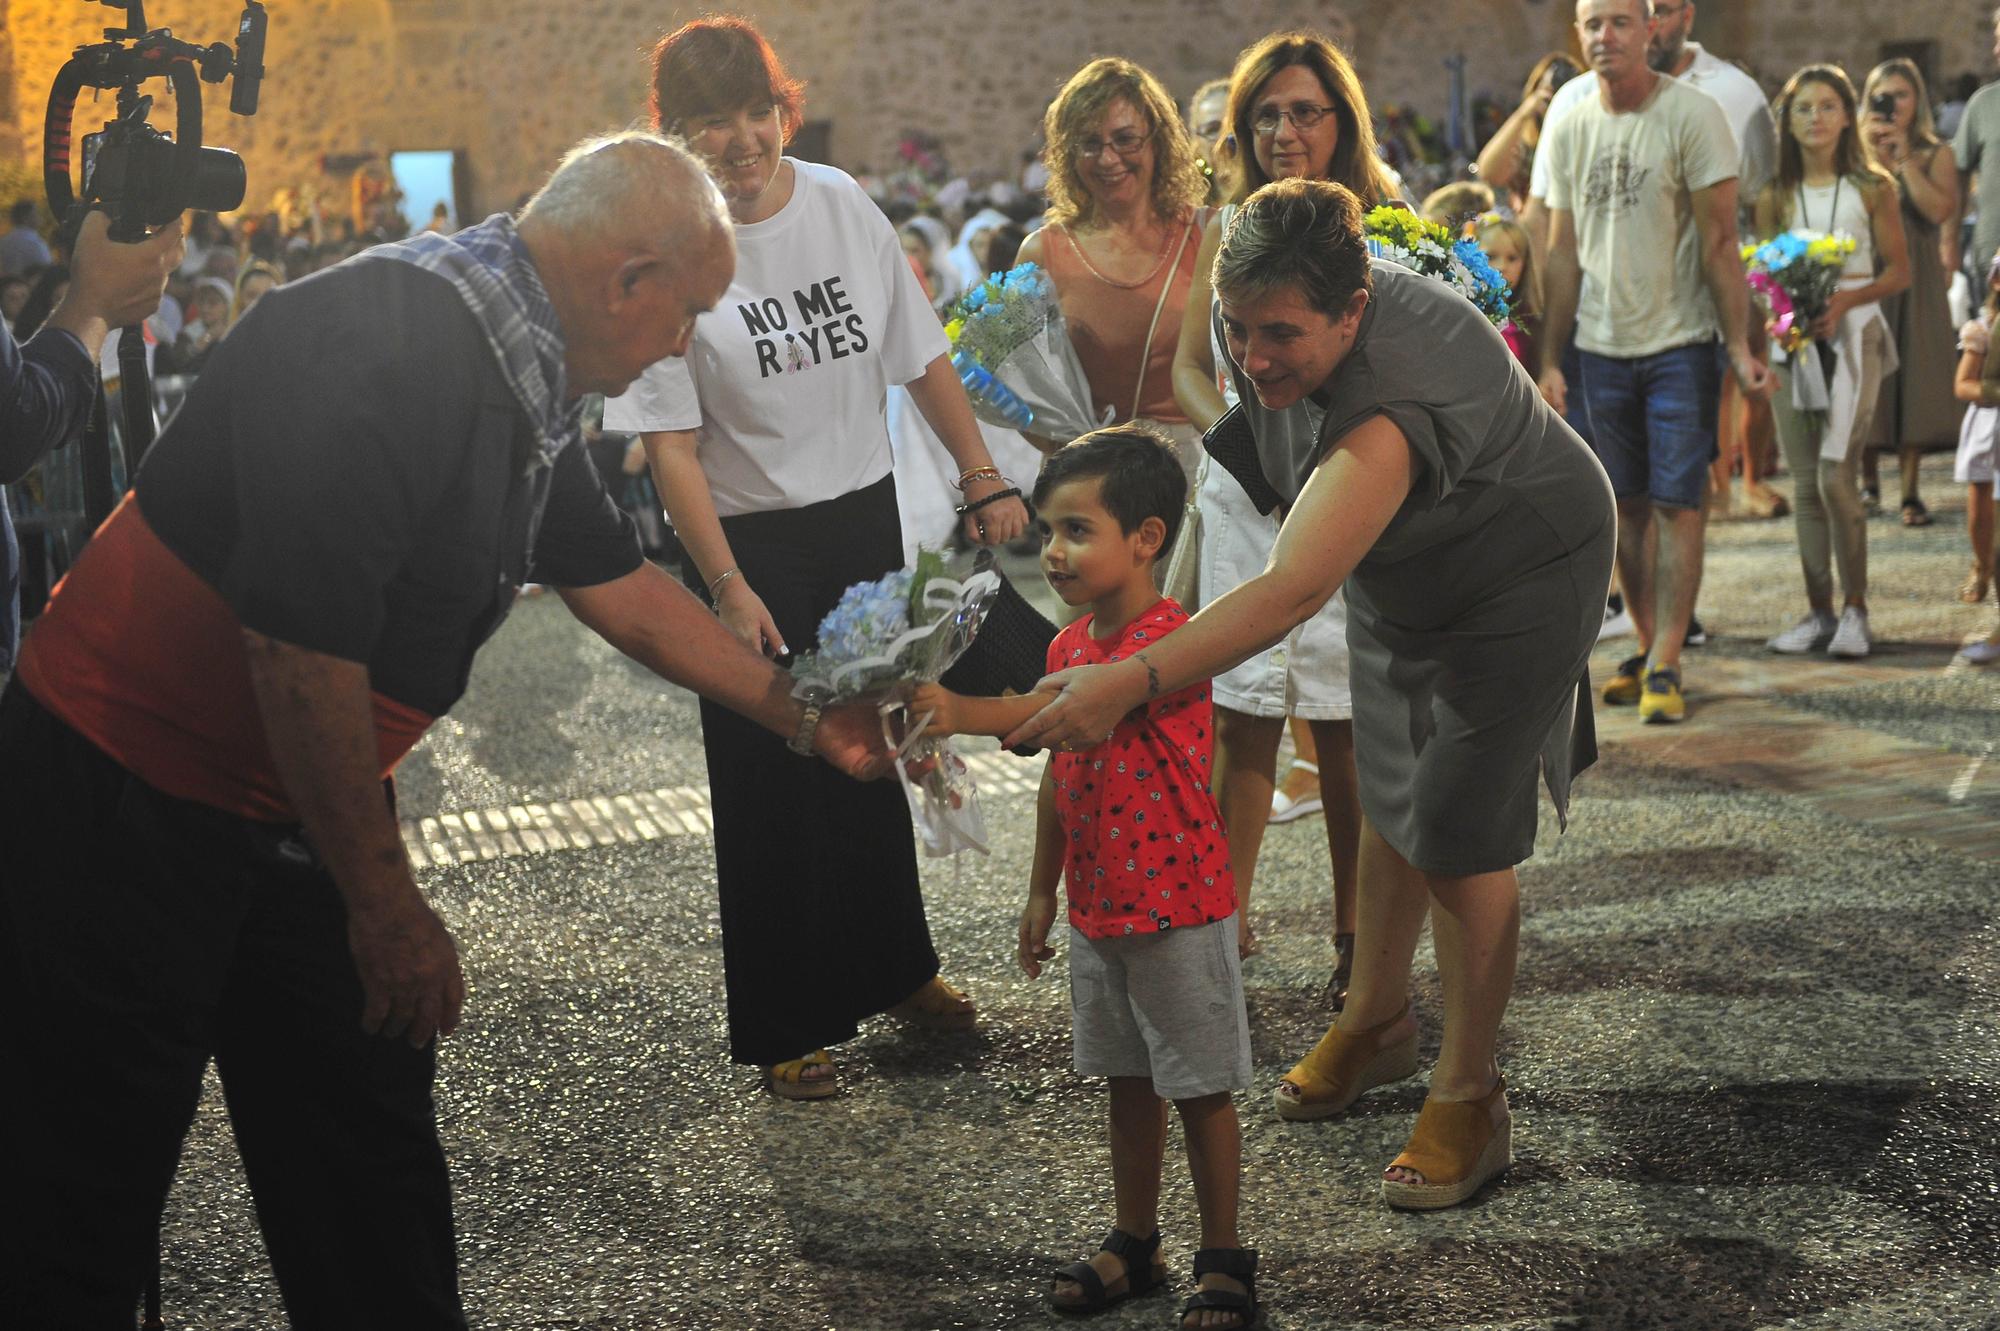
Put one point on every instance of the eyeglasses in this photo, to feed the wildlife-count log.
(1303, 115)
(1822, 111)
(1126, 143)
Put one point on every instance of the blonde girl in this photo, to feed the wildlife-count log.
(1507, 248)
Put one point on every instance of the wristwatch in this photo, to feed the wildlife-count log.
(801, 741)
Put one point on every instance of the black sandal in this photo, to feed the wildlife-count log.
(1237, 1264)
(1915, 514)
(1144, 1272)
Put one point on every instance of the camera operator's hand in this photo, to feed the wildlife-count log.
(112, 285)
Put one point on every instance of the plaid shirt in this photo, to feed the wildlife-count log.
(496, 277)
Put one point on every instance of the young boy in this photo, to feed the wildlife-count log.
(1132, 828)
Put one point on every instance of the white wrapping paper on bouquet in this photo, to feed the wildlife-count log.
(1045, 373)
(849, 668)
(1012, 351)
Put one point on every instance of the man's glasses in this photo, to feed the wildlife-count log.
(1303, 115)
(1126, 143)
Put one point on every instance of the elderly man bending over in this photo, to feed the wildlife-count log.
(203, 861)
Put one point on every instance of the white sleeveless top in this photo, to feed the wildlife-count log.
(1228, 381)
(1840, 207)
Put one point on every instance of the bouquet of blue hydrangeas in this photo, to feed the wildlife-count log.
(1013, 353)
(1400, 236)
(880, 640)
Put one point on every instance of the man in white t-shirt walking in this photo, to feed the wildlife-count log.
(1669, 51)
(1742, 423)
(1643, 269)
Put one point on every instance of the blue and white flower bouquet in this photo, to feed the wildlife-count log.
(1400, 236)
(880, 640)
(1012, 351)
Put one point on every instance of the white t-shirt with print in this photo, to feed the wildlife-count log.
(1742, 100)
(1628, 180)
(786, 381)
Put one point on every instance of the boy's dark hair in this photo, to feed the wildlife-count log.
(22, 213)
(1140, 470)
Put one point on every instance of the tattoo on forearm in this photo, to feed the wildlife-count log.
(1152, 677)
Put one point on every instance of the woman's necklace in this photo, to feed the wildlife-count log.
(1159, 262)
(1833, 213)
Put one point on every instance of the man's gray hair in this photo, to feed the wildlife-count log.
(634, 186)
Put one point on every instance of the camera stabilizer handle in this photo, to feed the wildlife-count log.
(142, 178)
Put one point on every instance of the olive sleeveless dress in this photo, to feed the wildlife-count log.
(1471, 620)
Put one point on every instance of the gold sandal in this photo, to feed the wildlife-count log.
(1341, 1067)
(1977, 584)
(937, 1006)
(1458, 1146)
(788, 1080)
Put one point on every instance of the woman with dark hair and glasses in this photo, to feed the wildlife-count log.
(1473, 532)
(1296, 111)
(1125, 182)
(770, 448)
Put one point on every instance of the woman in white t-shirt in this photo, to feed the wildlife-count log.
(770, 448)
(1825, 184)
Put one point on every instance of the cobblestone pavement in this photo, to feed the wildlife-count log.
(1752, 1053)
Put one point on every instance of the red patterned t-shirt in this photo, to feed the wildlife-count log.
(1145, 846)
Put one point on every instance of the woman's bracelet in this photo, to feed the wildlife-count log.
(721, 578)
(1011, 492)
(971, 474)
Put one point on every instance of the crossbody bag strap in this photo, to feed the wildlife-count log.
(1146, 352)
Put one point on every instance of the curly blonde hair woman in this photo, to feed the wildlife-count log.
(1125, 187)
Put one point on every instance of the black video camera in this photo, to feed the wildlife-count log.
(140, 176)
(143, 178)
(1882, 106)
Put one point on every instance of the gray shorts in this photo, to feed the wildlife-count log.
(1164, 1006)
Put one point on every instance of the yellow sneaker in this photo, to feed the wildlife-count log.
(1625, 687)
(1662, 703)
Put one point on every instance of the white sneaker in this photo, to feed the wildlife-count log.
(1616, 625)
(1982, 653)
(1851, 638)
(1810, 634)
(1285, 809)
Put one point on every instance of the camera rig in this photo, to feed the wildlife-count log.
(143, 178)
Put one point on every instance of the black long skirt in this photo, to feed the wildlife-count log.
(822, 920)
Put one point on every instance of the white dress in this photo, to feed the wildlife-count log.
(1841, 208)
(1976, 460)
(925, 496)
(1306, 674)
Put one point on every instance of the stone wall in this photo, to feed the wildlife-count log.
(512, 82)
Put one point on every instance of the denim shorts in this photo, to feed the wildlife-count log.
(1164, 1006)
(1652, 421)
